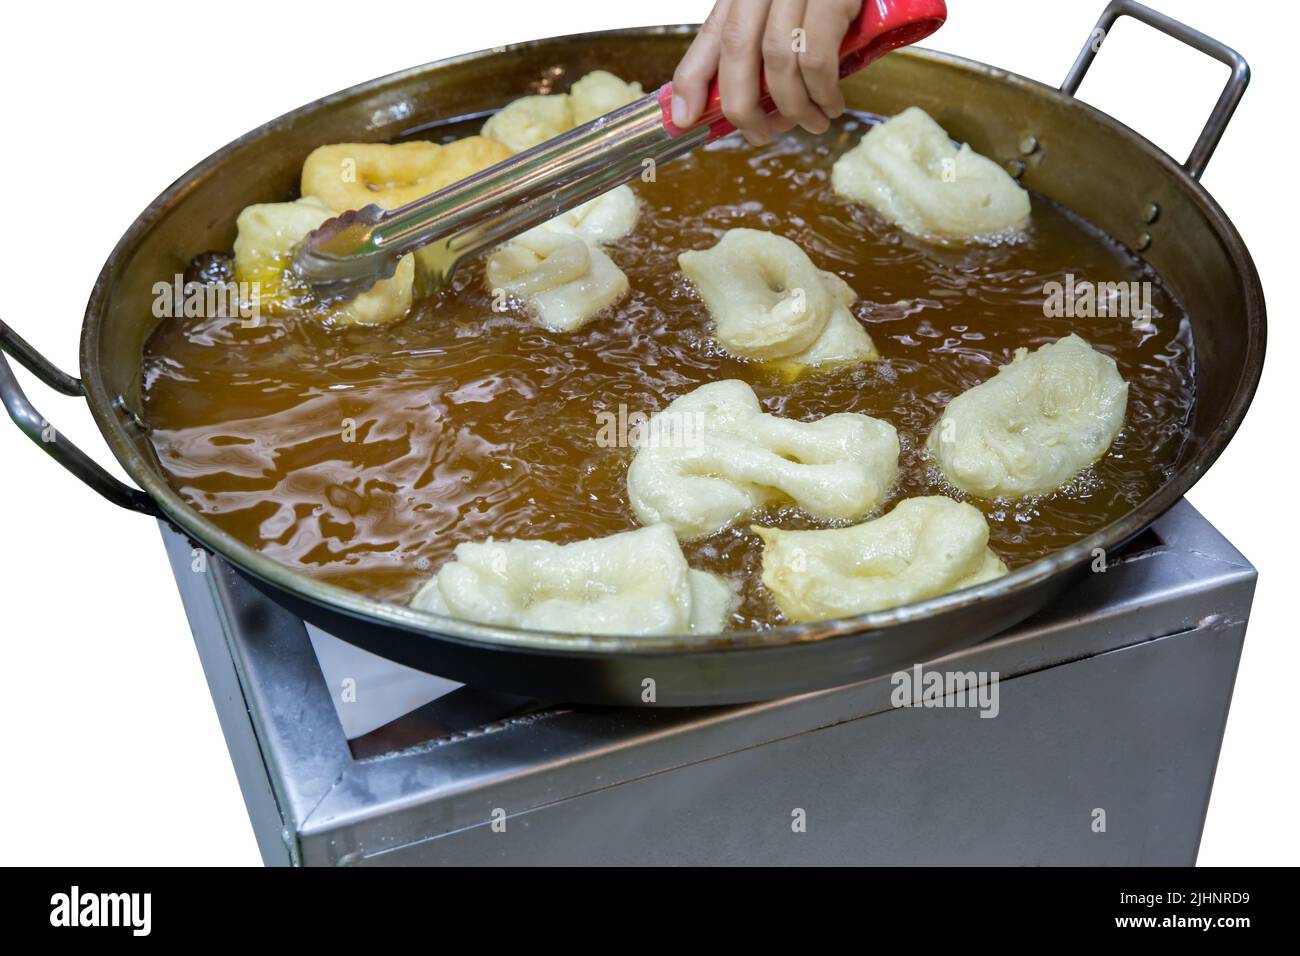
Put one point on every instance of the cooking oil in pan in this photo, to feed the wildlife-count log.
(364, 456)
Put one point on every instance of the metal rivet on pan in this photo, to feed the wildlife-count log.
(120, 404)
(1151, 212)
(1143, 241)
(1015, 167)
(1029, 144)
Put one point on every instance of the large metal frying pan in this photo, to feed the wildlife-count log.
(1061, 147)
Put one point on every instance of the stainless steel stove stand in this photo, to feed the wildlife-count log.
(1111, 709)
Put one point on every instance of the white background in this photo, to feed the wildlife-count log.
(112, 749)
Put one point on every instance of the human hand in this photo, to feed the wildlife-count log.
(791, 44)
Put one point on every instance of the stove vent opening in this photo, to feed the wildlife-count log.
(1148, 540)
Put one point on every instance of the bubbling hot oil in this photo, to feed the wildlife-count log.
(364, 456)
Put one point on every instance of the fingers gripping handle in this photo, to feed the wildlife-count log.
(883, 25)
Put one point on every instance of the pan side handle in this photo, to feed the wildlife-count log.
(1212, 132)
(40, 431)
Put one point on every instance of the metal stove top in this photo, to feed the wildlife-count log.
(1110, 707)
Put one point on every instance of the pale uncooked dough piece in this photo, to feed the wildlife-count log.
(598, 93)
(911, 173)
(843, 339)
(352, 175)
(558, 268)
(1035, 424)
(564, 280)
(923, 548)
(529, 120)
(769, 302)
(267, 235)
(712, 457)
(607, 218)
(635, 582)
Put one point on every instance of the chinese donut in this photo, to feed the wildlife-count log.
(727, 458)
(558, 268)
(910, 172)
(633, 582)
(924, 547)
(267, 235)
(1034, 425)
(598, 93)
(529, 120)
(770, 303)
(607, 218)
(352, 175)
(563, 279)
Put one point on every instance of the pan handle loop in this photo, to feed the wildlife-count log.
(35, 427)
(1200, 155)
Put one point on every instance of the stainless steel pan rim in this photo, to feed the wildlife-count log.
(351, 604)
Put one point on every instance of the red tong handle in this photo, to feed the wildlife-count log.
(883, 25)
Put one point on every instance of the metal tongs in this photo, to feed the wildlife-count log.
(348, 254)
